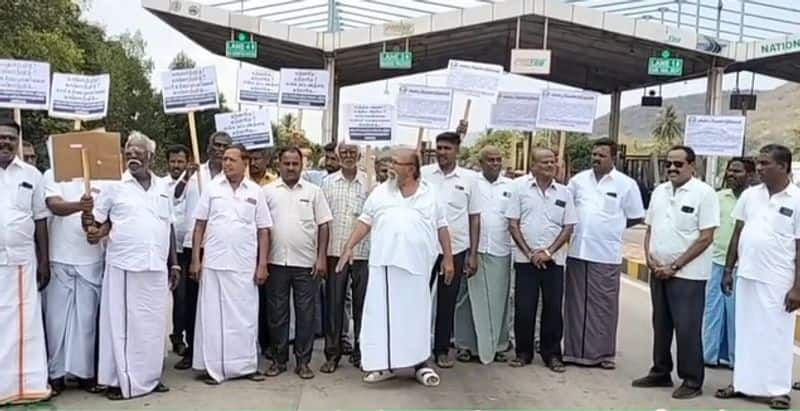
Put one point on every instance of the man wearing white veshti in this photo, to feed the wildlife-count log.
(406, 222)
(135, 286)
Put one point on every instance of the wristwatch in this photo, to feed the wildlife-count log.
(547, 253)
(674, 267)
(175, 267)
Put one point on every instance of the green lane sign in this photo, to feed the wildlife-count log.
(396, 60)
(666, 65)
(242, 47)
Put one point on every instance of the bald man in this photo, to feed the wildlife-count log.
(481, 310)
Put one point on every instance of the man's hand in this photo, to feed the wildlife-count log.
(174, 278)
(345, 259)
(43, 274)
(87, 204)
(665, 272)
(194, 270)
(652, 263)
(793, 299)
(540, 259)
(727, 282)
(320, 268)
(471, 268)
(191, 168)
(261, 275)
(463, 125)
(448, 270)
(93, 235)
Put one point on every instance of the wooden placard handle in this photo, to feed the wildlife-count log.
(195, 148)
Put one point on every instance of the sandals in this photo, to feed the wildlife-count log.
(378, 376)
(796, 386)
(464, 356)
(444, 361)
(428, 377)
(256, 377)
(329, 367)
(608, 365)
(518, 362)
(57, 386)
(160, 388)
(114, 394)
(781, 402)
(557, 366)
(728, 393)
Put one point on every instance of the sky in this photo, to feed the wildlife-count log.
(163, 43)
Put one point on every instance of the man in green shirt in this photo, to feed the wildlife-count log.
(718, 320)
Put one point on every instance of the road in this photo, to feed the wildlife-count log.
(467, 386)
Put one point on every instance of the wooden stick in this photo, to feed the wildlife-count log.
(87, 174)
(562, 145)
(420, 134)
(77, 125)
(370, 168)
(300, 120)
(18, 120)
(465, 118)
(195, 149)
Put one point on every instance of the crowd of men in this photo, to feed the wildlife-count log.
(260, 259)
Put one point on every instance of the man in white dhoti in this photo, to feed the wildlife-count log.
(72, 300)
(232, 220)
(765, 243)
(482, 309)
(24, 270)
(136, 284)
(407, 227)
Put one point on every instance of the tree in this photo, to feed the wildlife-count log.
(502, 139)
(668, 130)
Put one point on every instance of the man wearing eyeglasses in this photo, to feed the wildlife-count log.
(683, 214)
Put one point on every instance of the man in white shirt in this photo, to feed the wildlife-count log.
(345, 191)
(72, 300)
(541, 218)
(178, 157)
(24, 270)
(407, 227)
(232, 220)
(456, 191)
(483, 303)
(607, 202)
(297, 262)
(765, 244)
(188, 190)
(683, 214)
(136, 280)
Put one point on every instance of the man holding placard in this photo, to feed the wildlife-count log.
(455, 187)
(136, 281)
(24, 270)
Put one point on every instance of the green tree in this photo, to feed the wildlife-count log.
(668, 130)
(502, 139)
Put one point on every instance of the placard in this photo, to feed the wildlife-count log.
(715, 135)
(190, 90)
(515, 111)
(304, 88)
(369, 123)
(567, 110)
(24, 84)
(79, 97)
(103, 150)
(258, 86)
(423, 106)
(477, 79)
(249, 128)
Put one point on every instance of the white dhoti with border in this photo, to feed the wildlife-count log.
(71, 303)
(226, 331)
(132, 330)
(23, 359)
(395, 327)
(765, 349)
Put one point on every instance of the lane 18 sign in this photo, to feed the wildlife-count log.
(666, 65)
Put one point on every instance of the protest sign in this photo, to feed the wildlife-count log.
(102, 149)
(423, 106)
(79, 97)
(515, 111)
(715, 135)
(249, 128)
(477, 79)
(304, 88)
(259, 87)
(190, 90)
(567, 110)
(24, 84)
(369, 123)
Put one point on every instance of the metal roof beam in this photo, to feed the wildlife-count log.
(387, 13)
(270, 16)
(345, 12)
(401, 7)
(294, 19)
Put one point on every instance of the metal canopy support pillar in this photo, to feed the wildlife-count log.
(330, 116)
(614, 115)
(714, 108)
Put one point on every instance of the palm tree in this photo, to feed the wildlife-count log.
(668, 130)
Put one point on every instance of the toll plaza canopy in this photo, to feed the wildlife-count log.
(591, 48)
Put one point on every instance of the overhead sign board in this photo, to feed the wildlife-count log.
(79, 97)
(398, 28)
(396, 60)
(24, 84)
(190, 90)
(304, 88)
(666, 65)
(530, 61)
(242, 47)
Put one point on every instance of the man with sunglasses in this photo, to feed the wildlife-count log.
(683, 214)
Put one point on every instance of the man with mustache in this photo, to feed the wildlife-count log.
(482, 309)
(683, 214)
(541, 219)
(29, 153)
(298, 260)
(718, 318)
(607, 202)
(383, 164)
(136, 281)
(406, 227)
(260, 166)
(188, 189)
(765, 245)
(24, 270)
(456, 190)
(229, 271)
(179, 168)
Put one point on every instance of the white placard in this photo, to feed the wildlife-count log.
(530, 61)
(79, 97)
(190, 90)
(477, 79)
(515, 111)
(423, 106)
(715, 135)
(249, 128)
(304, 88)
(259, 87)
(24, 84)
(369, 123)
(567, 110)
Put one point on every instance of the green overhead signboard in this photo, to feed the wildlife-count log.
(242, 47)
(666, 65)
(396, 60)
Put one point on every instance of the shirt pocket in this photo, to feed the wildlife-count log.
(782, 219)
(246, 210)
(686, 219)
(163, 207)
(24, 197)
(306, 211)
(611, 203)
(555, 210)
(458, 200)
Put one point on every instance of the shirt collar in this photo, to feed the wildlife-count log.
(610, 174)
(727, 192)
(500, 179)
(455, 172)
(360, 177)
(127, 177)
(281, 182)
(532, 181)
(17, 162)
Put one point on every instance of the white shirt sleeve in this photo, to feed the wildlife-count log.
(650, 215)
(104, 202)
(514, 207)
(202, 208)
(263, 217)
(708, 215)
(632, 203)
(570, 215)
(52, 189)
(322, 211)
(370, 208)
(40, 210)
(441, 217)
(740, 209)
(475, 205)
